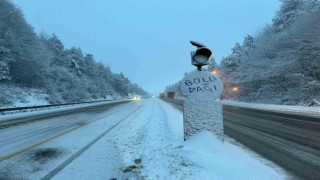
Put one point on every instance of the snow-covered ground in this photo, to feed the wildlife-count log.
(311, 111)
(21, 97)
(156, 139)
(31, 99)
(148, 144)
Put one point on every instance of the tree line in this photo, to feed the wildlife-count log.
(39, 61)
(281, 64)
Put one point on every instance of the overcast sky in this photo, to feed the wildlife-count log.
(149, 40)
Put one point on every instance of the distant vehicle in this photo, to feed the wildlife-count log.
(170, 95)
(136, 97)
(162, 95)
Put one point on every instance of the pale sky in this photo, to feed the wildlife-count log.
(149, 40)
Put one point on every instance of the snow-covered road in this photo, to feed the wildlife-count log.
(25, 134)
(147, 144)
(37, 162)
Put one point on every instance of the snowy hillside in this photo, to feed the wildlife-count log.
(40, 64)
(281, 64)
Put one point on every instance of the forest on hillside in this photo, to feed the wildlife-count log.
(280, 64)
(40, 63)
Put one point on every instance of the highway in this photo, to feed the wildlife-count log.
(292, 141)
(31, 131)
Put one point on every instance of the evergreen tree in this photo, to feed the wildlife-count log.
(4, 71)
(288, 12)
(56, 44)
(248, 41)
(90, 68)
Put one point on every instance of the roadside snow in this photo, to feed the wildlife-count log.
(151, 144)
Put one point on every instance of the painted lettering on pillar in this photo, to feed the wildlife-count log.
(201, 84)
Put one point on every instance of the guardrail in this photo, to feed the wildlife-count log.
(4, 110)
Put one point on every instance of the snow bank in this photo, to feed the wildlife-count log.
(225, 160)
(152, 146)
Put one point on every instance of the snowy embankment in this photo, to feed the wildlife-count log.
(151, 144)
(300, 110)
(14, 97)
(11, 97)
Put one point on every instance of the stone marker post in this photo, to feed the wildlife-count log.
(201, 109)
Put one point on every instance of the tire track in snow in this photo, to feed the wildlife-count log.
(82, 150)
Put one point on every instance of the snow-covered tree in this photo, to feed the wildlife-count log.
(233, 61)
(4, 71)
(74, 57)
(213, 64)
(288, 12)
(56, 44)
(90, 68)
(248, 41)
(121, 84)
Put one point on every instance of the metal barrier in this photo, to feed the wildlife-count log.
(3, 110)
